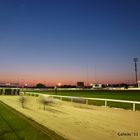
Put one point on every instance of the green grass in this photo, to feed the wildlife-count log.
(131, 95)
(15, 126)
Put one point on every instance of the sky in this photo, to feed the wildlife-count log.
(51, 41)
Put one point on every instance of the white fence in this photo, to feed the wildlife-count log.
(87, 99)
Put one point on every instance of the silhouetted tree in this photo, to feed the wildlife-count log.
(40, 85)
(124, 85)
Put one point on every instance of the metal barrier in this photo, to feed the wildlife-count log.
(87, 99)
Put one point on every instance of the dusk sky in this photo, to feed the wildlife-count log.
(51, 41)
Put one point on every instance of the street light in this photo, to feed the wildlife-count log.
(59, 84)
(135, 61)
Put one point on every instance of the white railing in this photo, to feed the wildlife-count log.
(87, 99)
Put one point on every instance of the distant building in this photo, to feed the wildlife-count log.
(8, 84)
(138, 84)
(80, 84)
(96, 86)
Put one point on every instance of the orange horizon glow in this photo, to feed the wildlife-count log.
(25, 81)
(70, 78)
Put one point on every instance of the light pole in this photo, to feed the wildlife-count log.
(135, 61)
(22, 80)
(17, 82)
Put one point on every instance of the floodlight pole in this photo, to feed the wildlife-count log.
(135, 61)
(136, 71)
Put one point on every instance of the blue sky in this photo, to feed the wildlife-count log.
(69, 40)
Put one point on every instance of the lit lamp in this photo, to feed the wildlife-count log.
(59, 84)
(26, 85)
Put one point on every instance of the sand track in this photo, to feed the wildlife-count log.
(81, 122)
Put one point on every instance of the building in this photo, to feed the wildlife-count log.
(138, 84)
(8, 84)
(96, 86)
(80, 84)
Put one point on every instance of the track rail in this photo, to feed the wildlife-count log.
(87, 99)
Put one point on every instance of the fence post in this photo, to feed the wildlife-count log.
(86, 101)
(71, 99)
(105, 103)
(134, 107)
(3, 91)
(12, 91)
